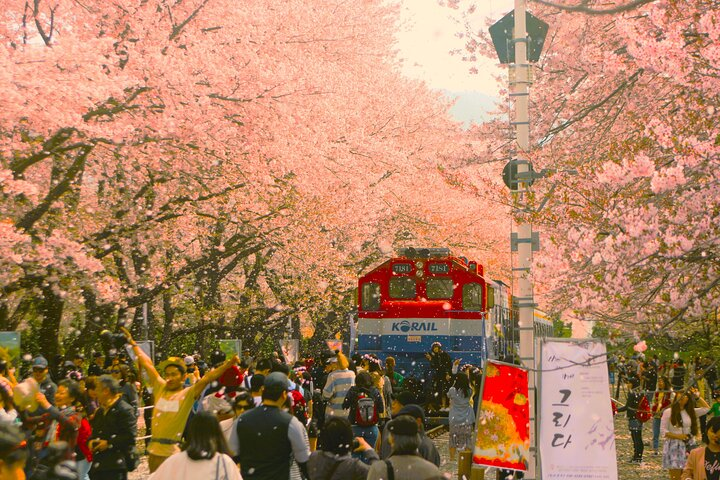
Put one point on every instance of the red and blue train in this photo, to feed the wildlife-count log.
(427, 295)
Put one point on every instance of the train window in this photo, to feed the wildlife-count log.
(371, 296)
(472, 296)
(402, 287)
(439, 287)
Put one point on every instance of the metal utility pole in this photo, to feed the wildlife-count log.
(519, 87)
(517, 49)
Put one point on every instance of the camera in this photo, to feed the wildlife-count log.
(114, 339)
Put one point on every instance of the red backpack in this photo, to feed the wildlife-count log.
(366, 414)
(299, 406)
(643, 412)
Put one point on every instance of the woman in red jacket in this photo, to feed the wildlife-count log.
(75, 429)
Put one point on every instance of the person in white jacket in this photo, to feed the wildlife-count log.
(205, 456)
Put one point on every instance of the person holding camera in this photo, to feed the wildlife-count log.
(173, 401)
(404, 462)
(332, 460)
(113, 432)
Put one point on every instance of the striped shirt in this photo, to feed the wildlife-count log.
(336, 387)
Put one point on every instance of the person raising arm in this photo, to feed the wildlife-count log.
(173, 402)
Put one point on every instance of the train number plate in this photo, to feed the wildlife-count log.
(414, 338)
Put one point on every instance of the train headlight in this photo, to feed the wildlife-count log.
(419, 273)
(419, 265)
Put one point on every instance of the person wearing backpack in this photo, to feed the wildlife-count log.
(332, 460)
(366, 407)
(404, 462)
(632, 407)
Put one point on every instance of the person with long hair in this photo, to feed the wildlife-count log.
(461, 416)
(679, 427)
(661, 401)
(205, 454)
(76, 431)
(364, 420)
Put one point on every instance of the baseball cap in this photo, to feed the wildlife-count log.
(40, 362)
(189, 360)
(413, 410)
(276, 380)
(403, 425)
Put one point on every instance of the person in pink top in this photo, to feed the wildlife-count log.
(704, 462)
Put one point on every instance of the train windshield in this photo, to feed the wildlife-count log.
(472, 296)
(371, 296)
(402, 288)
(439, 288)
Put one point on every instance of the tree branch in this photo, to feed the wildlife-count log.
(583, 8)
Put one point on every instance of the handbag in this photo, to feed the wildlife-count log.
(643, 413)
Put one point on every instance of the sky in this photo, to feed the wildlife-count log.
(428, 33)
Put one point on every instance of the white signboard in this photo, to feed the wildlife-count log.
(290, 349)
(577, 437)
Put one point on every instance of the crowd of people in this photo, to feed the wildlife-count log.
(683, 406)
(326, 418)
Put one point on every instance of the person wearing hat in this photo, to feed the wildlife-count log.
(427, 448)
(40, 374)
(173, 401)
(404, 463)
(268, 435)
(97, 369)
(193, 374)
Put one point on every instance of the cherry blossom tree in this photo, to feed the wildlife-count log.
(626, 93)
(227, 165)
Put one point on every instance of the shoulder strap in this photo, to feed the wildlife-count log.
(390, 470)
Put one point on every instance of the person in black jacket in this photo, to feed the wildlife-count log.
(440, 369)
(113, 432)
(634, 425)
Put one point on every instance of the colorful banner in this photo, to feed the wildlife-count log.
(290, 348)
(10, 347)
(503, 420)
(230, 347)
(577, 437)
(334, 344)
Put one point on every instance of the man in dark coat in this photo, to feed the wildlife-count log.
(113, 432)
(440, 368)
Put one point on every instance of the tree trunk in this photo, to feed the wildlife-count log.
(51, 308)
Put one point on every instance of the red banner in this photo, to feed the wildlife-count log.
(503, 421)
